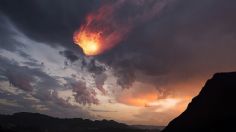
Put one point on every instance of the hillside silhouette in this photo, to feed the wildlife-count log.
(213, 110)
(35, 122)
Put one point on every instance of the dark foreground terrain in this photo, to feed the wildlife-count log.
(34, 122)
(213, 110)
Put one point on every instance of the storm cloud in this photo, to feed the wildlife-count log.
(172, 46)
(183, 42)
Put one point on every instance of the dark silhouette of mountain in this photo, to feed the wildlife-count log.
(34, 122)
(213, 110)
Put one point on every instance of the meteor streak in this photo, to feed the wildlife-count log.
(104, 28)
(89, 42)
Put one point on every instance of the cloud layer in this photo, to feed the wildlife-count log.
(169, 50)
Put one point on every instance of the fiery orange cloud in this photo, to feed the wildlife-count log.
(89, 42)
(105, 28)
(99, 33)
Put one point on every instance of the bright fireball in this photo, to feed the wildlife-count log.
(90, 42)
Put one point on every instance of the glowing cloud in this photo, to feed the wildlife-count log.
(105, 28)
(89, 42)
(139, 95)
(99, 33)
(141, 100)
(164, 104)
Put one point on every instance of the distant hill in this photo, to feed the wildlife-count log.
(213, 110)
(148, 127)
(34, 122)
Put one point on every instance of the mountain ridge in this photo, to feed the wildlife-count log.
(213, 109)
(36, 122)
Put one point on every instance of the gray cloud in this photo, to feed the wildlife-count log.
(40, 92)
(189, 38)
(178, 43)
(82, 94)
(38, 88)
(35, 81)
(24, 77)
(99, 81)
(7, 42)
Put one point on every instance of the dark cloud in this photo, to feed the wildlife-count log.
(184, 41)
(125, 76)
(99, 81)
(94, 68)
(50, 21)
(82, 94)
(69, 55)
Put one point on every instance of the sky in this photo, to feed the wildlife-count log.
(133, 61)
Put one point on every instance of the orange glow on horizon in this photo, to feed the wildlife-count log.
(141, 100)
